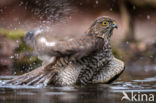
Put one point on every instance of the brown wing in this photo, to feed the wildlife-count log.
(76, 48)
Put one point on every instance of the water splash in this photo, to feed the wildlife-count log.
(148, 17)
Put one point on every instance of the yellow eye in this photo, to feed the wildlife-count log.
(105, 23)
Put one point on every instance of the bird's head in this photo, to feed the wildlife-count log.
(102, 27)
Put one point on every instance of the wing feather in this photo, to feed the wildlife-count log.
(77, 48)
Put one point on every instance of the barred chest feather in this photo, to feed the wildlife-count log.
(82, 71)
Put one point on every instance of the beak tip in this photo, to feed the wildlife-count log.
(115, 26)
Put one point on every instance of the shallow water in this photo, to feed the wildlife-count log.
(137, 81)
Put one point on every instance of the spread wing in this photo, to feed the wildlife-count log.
(76, 48)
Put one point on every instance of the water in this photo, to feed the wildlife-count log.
(112, 93)
(136, 79)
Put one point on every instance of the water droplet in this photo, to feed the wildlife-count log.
(20, 3)
(17, 41)
(151, 56)
(70, 62)
(11, 57)
(97, 2)
(154, 67)
(111, 9)
(1, 10)
(134, 7)
(30, 59)
(148, 17)
(127, 42)
(81, 3)
(16, 55)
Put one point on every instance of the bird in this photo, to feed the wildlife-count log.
(75, 48)
(83, 60)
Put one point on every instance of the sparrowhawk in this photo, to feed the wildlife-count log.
(93, 59)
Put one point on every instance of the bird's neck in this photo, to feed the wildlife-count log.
(106, 43)
(107, 49)
(105, 34)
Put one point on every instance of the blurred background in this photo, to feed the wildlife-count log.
(134, 41)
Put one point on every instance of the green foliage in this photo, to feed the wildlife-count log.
(12, 34)
(26, 64)
(23, 63)
(23, 47)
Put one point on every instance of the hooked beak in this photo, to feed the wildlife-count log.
(115, 26)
